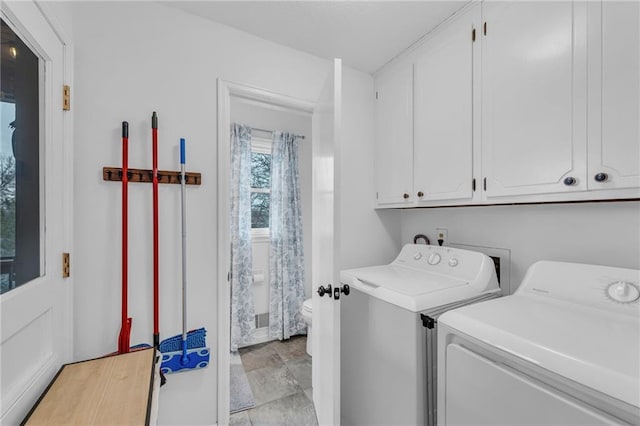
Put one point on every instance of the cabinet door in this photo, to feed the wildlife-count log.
(443, 102)
(614, 83)
(394, 133)
(534, 97)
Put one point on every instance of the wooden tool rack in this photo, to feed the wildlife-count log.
(114, 174)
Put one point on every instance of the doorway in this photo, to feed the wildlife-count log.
(270, 373)
(267, 111)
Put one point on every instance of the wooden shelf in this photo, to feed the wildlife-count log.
(113, 390)
(114, 174)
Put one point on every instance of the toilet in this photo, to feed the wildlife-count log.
(307, 316)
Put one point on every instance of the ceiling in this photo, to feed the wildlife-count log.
(365, 34)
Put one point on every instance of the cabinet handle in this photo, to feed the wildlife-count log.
(405, 195)
(420, 194)
(601, 177)
(569, 181)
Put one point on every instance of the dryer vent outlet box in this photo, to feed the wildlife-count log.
(496, 262)
(501, 259)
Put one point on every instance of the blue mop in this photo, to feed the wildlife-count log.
(188, 351)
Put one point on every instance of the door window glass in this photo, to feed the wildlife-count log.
(20, 208)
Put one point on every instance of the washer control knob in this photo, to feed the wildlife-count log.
(623, 292)
(434, 259)
(417, 256)
(453, 262)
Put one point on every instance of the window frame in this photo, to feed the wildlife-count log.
(261, 145)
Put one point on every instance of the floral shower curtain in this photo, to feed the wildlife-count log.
(286, 257)
(242, 308)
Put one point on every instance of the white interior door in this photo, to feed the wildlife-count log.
(35, 305)
(325, 248)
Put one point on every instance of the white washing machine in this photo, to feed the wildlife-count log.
(388, 340)
(564, 349)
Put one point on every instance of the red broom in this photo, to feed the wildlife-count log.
(125, 330)
(156, 278)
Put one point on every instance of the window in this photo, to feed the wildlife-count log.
(260, 182)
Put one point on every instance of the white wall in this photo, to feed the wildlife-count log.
(597, 233)
(132, 58)
(368, 236)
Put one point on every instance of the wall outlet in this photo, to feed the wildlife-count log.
(441, 234)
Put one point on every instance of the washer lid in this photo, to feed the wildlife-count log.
(411, 289)
(422, 277)
(404, 280)
(596, 348)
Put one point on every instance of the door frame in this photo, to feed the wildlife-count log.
(226, 91)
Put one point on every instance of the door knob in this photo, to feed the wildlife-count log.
(405, 195)
(601, 177)
(337, 290)
(569, 181)
(324, 290)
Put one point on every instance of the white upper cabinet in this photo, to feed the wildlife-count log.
(533, 97)
(544, 106)
(443, 114)
(614, 95)
(394, 136)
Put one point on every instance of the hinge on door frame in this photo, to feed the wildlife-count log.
(66, 98)
(376, 195)
(66, 265)
(484, 28)
(229, 276)
(473, 34)
(485, 184)
(376, 94)
(473, 184)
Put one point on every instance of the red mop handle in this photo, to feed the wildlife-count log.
(156, 279)
(125, 330)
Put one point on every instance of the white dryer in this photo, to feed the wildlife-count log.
(564, 349)
(388, 340)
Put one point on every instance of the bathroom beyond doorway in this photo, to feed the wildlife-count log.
(279, 373)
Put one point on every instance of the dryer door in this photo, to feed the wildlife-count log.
(480, 391)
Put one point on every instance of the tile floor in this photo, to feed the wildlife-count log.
(280, 377)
